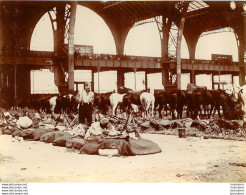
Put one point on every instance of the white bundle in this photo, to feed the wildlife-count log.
(78, 130)
(24, 122)
(108, 152)
(37, 115)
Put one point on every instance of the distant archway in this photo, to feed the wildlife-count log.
(90, 29)
(144, 40)
(42, 36)
(221, 42)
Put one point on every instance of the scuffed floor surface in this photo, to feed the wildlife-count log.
(182, 160)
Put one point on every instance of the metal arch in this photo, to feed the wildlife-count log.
(52, 15)
(221, 30)
(237, 38)
(64, 75)
(173, 34)
(171, 40)
(178, 49)
(70, 36)
(159, 25)
(67, 20)
(109, 4)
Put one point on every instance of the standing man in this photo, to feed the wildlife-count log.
(86, 98)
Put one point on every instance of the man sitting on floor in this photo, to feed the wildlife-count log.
(102, 128)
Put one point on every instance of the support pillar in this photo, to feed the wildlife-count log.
(193, 77)
(164, 35)
(1, 77)
(119, 32)
(1, 36)
(146, 80)
(120, 46)
(212, 81)
(191, 43)
(135, 79)
(242, 51)
(179, 40)
(59, 60)
(98, 79)
(241, 64)
(120, 78)
(71, 47)
(15, 81)
(219, 80)
(191, 40)
(92, 80)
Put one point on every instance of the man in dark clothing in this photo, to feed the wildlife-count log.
(86, 98)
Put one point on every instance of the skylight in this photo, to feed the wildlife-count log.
(196, 5)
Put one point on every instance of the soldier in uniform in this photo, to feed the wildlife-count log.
(86, 98)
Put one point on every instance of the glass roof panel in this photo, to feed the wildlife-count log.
(196, 5)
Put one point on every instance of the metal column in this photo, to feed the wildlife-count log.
(164, 36)
(242, 51)
(120, 78)
(219, 81)
(71, 47)
(92, 80)
(15, 80)
(178, 50)
(98, 79)
(193, 77)
(135, 78)
(212, 81)
(146, 80)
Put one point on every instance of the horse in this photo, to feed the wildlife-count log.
(115, 100)
(147, 99)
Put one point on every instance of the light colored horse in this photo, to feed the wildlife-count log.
(232, 89)
(147, 99)
(115, 99)
(52, 102)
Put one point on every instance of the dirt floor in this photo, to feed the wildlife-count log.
(190, 159)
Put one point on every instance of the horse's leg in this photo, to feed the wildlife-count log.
(181, 112)
(159, 110)
(196, 111)
(217, 107)
(147, 110)
(153, 109)
(200, 109)
(114, 110)
(210, 111)
(223, 109)
(187, 112)
(214, 106)
(204, 109)
(172, 113)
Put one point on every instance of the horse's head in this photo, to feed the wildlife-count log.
(123, 89)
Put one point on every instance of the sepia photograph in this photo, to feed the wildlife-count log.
(123, 92)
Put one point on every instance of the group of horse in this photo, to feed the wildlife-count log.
(195, 102)
(125, 99)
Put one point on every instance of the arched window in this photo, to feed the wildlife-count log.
(221, 41)
(90, 29)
